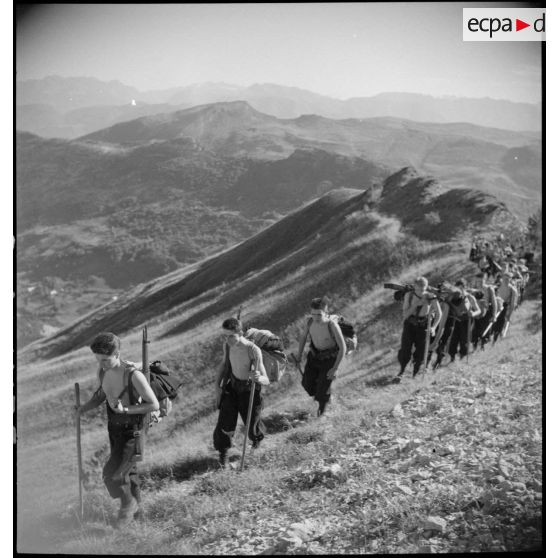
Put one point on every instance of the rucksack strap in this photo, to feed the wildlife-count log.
(130, 387)
(228, 366)
(331, 333)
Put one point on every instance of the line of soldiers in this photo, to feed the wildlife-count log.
(498, 256)
(454, 319)
(446, 320)
(128, 396)
(242, 364)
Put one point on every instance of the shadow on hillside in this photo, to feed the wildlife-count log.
(280, 422)
(380, 381)
(186, 469)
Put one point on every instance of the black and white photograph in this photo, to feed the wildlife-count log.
(279, 278)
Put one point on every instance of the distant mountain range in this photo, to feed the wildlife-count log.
(72, 107)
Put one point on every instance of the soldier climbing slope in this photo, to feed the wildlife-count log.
(327, 350)
(418, 305)
(508, 293)
(242, 364)
(129, 397)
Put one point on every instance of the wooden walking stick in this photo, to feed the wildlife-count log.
(297, 363)
(427, 342)
(250, 405)
(80, 469)
(485, 332)
(469, 331)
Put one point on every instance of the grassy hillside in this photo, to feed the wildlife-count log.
(449, 462)
(336, 243)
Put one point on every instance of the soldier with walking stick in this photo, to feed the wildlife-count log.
(122, 386)
(238, 389)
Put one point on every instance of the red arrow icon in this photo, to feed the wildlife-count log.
(519, 25)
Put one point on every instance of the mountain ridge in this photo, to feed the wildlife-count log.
(273, 99)
(278, 250)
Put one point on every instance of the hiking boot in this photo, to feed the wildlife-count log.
(223, 459)
(127, 513)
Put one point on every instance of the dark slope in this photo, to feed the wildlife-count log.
(156, 298)
(433, 212)
(330, 241)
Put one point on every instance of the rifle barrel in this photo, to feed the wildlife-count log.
(145, 355)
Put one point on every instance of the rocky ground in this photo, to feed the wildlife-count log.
(456, 468)
(448, 462)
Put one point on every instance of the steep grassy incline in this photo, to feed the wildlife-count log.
(336, 246)
(448, 462)
(336, 236)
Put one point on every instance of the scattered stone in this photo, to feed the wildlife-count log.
(405, 489)
(421, 475)
(450, 429)
(397, 411)
(446, 450)
(503, 467)
(434, 523)
(537, 436)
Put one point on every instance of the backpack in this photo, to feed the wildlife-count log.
(273, 356)
(462, 307)
(164, 386)
(347, 330)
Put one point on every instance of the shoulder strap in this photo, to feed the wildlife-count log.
(330, 332)
(308, 324)
(130, 386)
(130, 369)
(99, 390)
(251, 353)
(101, 376)
(228, 365)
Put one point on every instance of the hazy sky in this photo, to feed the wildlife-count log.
(341, 50)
